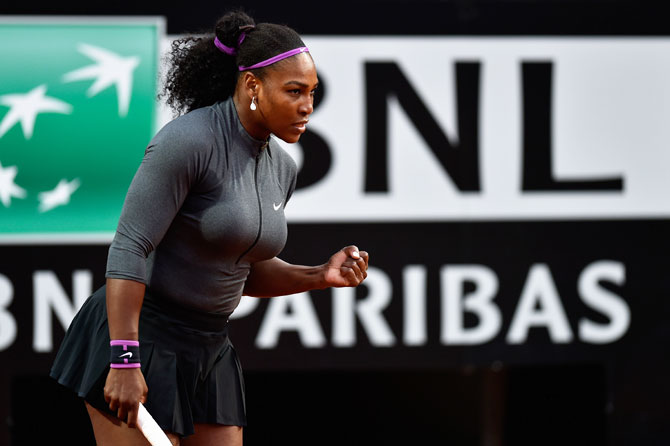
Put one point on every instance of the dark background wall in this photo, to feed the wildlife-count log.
(374, 17)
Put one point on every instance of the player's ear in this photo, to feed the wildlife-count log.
(251, 83)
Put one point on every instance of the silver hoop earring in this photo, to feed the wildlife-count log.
(253, 104)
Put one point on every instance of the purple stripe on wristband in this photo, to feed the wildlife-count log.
(277, 58)
(119, 361)
(135, 365)
(124, 343)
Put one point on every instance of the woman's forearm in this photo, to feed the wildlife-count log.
(275, 277)
(124, 303)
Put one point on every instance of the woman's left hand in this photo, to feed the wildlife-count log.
(347, 267)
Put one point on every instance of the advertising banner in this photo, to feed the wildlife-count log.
(512, 193)
(77, 108)
(486, 128)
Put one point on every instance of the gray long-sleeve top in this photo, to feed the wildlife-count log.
(206, 202)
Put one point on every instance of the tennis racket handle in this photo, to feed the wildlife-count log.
(150, 429)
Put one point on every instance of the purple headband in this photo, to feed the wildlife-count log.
(228, 50)
(277, 58)
(233, 51)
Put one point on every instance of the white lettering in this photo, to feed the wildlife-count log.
(539, 291)
(246, 306)
(50, 296)
(479, 302)
(292, 312)
(368, 311)
(7, 321)
(414, 295)
(608, 303)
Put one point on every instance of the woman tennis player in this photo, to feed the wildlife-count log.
(202, 224)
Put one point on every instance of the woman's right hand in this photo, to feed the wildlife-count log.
(124, 390)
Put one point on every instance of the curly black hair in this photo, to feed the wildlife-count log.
(199, 74)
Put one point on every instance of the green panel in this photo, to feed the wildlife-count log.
(84, 138)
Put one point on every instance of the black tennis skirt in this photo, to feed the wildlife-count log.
(189, 364)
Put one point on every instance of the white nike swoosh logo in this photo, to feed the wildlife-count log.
(277, 206)
(129, 354)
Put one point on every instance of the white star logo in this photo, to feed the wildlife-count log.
(58, 196)
(110, 69)
(8, 187)
(26, 107)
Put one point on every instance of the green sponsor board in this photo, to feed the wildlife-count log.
(77, 109)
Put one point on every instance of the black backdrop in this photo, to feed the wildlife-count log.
(399, 17)
(543, 393)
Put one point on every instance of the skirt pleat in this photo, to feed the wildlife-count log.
(189, 364)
